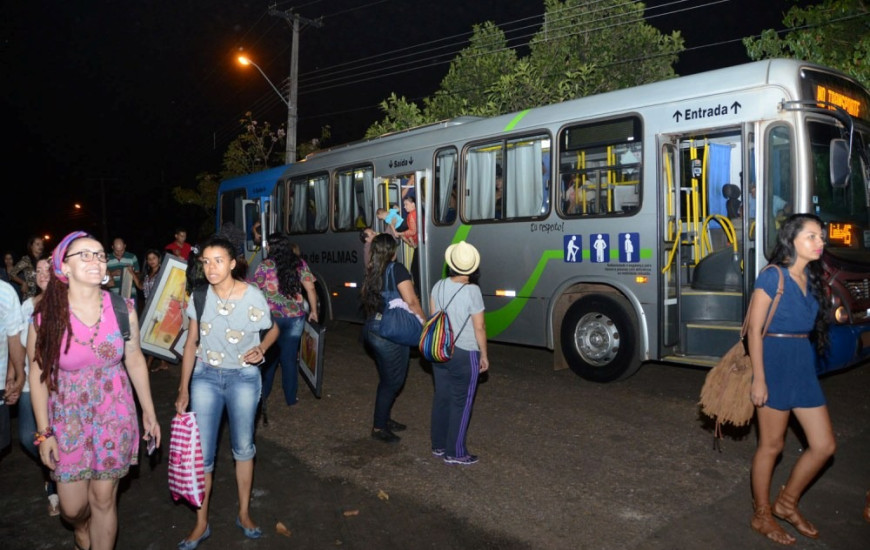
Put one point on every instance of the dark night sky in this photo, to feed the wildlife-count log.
(141, 96)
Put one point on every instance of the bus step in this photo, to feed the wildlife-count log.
(711, 338)
(706, 306)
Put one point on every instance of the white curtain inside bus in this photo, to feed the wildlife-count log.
(525, 182)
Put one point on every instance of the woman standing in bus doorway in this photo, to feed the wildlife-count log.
(225, 375)
(391, 358)
(87, 428)
(784, 379)
(282, 277)
(456, 380)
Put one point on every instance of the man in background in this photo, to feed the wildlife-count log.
(179, 246)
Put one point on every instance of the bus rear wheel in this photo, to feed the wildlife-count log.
(599, 339)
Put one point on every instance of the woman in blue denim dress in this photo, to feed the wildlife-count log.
(784, 379)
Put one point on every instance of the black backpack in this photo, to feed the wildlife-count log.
(122, 314)
(199, 305)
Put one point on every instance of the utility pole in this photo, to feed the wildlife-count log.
(294, 20)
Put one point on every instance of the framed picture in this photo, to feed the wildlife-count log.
(126, 283)
(163, 317)
(311, 356)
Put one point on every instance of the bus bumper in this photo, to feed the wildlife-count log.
(849, 345)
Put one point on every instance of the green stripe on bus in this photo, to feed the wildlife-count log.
(499, 320)
(516, 120)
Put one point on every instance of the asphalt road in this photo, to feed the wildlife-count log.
(563, 464)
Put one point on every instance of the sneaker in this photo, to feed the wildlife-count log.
(394, 426)
(53, 505)
(464, 460)
(438, 452)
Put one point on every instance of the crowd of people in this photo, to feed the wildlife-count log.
(73, 364)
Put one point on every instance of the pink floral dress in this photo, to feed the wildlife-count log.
(93, 413)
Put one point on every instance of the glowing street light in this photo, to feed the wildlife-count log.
(291, 126)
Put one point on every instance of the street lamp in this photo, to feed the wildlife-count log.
(291, 144)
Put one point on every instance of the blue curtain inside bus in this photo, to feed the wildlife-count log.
(718, 174)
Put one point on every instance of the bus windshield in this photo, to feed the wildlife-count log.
(843, 209)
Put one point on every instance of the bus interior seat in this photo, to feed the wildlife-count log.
(720, 270)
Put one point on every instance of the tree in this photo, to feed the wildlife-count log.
(256, 148)
(608, 45)
(835, 33)
(400, 114)
(477, 69)
(582, 48)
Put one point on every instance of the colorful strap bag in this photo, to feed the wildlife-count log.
(437, 339)
(186, 469)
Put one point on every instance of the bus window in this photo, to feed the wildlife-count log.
(445, 187)
(354, 193)
(778, 191)
(231, 207)
(506, 180)
(600, 167)
(307, 204)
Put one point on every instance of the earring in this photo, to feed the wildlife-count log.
(66, 274)
(105, 280)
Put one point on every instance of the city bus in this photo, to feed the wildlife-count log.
(613, 229)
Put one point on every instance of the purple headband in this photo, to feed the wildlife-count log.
(59, 253)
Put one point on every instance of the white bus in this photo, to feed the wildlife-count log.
(613, 229)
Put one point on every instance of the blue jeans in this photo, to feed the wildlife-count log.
(238, 390)
(26, 431)
(288, 349)
(455, 386)
(392, 362)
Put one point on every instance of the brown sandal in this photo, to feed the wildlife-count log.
(785, 508)
(763, 523)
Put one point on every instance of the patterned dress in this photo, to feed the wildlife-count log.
(92, 412)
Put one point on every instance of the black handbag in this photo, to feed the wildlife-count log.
(398, 324)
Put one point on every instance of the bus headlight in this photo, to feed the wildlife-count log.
(841, 315)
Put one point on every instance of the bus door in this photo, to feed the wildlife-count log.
(701, 249)
(388, 194)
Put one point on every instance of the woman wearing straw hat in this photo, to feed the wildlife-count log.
(456, 379)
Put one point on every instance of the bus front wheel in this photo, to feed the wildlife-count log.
(599, 339)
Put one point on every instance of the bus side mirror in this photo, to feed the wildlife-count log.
(839, 161)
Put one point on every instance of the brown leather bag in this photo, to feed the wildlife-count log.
(725, 394)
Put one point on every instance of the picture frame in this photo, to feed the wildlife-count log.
(311, 356)
(126, 283)
(163, 318)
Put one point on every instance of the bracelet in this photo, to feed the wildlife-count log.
(40, 437)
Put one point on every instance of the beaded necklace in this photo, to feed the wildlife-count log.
(95, 329)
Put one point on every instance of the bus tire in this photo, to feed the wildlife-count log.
(599, 339)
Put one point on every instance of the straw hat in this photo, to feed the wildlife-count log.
(462, 258)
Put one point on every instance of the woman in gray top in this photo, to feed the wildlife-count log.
(456, 379)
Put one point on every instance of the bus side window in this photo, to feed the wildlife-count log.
(506, 180)
(354, 195)
(600, 166)
(308, 204)
(445, 196)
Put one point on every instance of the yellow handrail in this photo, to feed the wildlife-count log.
(727, 227)
(673, 252)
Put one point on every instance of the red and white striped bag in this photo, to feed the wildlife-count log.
(186, 471)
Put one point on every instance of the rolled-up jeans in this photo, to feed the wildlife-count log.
(238, 390)
(392, 362)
